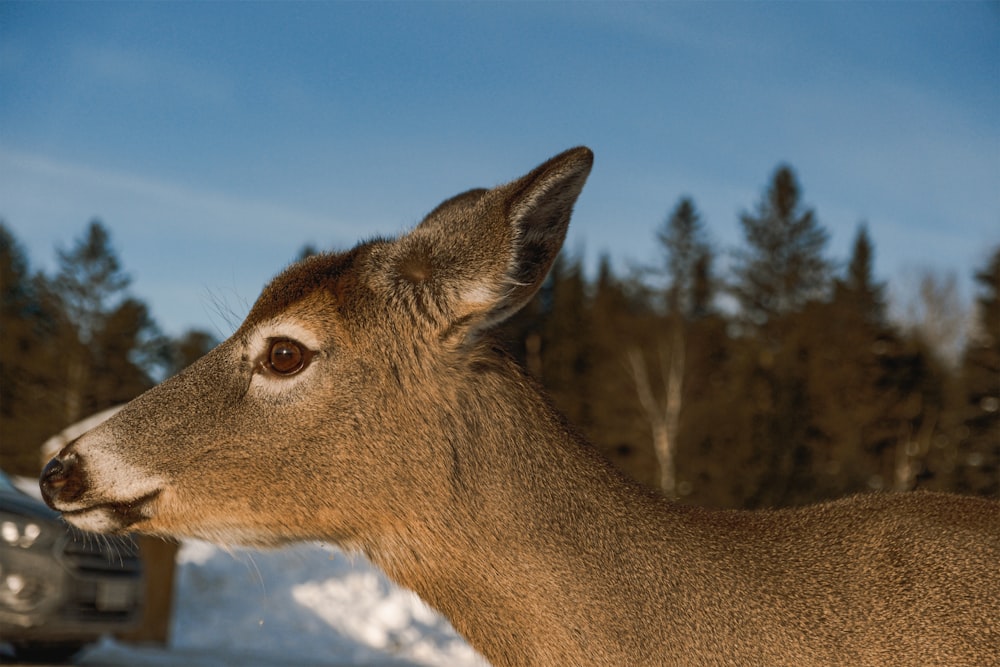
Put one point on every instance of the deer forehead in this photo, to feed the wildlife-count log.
(319, 281)
(334, 299)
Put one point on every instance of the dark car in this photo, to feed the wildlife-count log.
(61, 588)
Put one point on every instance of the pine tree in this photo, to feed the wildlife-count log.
(917, 382)
(777, 275)
(27, 380)
(782, 267)
(90, 280)
(551, 337)
(565, 340)
(618, 428)
(858, 289)
(978, 464)
(102, 332)
(124, 348)
(848, 387)
(687, 261)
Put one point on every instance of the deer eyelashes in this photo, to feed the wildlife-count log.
(285, 357)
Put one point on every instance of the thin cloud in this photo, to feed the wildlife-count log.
(106, 65)
(82, 188)
(166, 234)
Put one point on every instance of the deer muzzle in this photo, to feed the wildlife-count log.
(68, 488)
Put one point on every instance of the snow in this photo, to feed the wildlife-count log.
(304, 605)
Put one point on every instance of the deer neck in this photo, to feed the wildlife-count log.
(517, 528)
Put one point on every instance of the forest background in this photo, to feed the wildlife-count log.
(777, 380)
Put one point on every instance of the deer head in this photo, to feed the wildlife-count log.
(324, 415)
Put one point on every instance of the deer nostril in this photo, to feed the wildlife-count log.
(54, 472)
(57, 479)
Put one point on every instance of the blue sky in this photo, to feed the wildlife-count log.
(215, 139)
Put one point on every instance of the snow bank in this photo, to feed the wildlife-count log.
(304, 605)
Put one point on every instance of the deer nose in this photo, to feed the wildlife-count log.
(61, 480)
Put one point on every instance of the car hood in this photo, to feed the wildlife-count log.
(24, 505)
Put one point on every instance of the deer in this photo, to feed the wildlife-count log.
(364, 402)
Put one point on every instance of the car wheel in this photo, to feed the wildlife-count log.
(47, 651)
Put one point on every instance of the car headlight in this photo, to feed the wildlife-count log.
(30, 583)
(24, 532)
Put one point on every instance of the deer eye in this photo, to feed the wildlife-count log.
(287, 357)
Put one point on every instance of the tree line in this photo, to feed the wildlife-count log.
(74, 343)
(779, 381)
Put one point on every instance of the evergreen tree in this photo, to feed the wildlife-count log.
(126, 347)
(109, 344)
(27, 379)
(782, 267)
(777, 275)
(90, 281)
(687, 262)
(847, 384)
(618, 427)
(551, 337)
(978, 460)
(858, 289)
(73, 344)
(918, 383)
(703, 286)
(565, 340)
(18, 338)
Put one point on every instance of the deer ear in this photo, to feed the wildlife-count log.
(539, 206)
(484, 253)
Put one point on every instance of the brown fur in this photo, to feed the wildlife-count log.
(409, 437)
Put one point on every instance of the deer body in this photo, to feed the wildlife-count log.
(362, 403)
